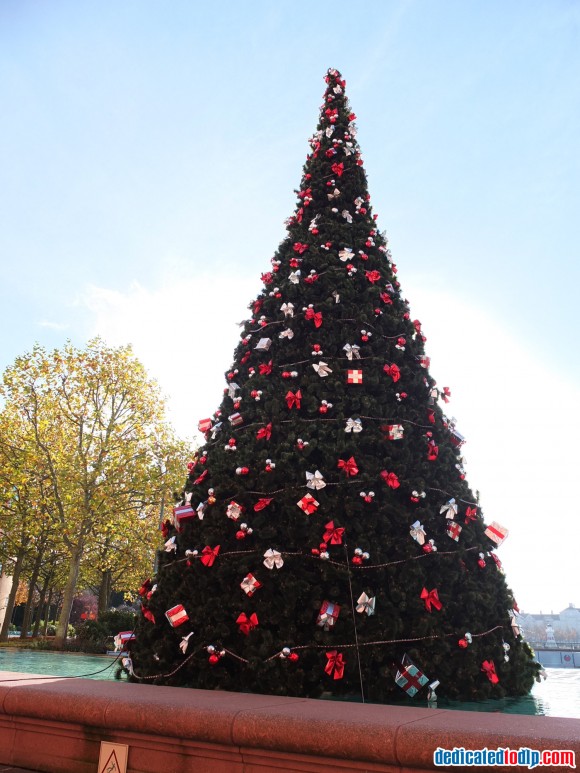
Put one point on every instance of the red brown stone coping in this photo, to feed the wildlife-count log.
(56, 725)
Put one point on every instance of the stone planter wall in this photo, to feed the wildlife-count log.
(57, 725)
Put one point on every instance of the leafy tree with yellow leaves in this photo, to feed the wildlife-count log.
(89, 425)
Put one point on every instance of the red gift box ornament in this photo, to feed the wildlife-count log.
(177, 615)
(335, 664)
(328, 615)
(454, 530)
(205, 425)
(308, 504)
(431, 599)
(250, 584)
(333, 534)
(496, 533)
(209, 555)
(354, 376)
(247, 624)
(488, 667)
(181, 514)
(235, 419)
(348, 467)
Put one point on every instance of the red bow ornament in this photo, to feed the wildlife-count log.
(209, 555)
(333, 534)
(470, 514)
(431, 599)
(265, 433)
(390, 479)
(393, 371)
(300, 248)
(372, 276)
(488, 667)
(432, 451)
(338, 169)
(293, 399)
(349, 467)
(246, 623)
(262, 503)
(335, 664)
(147, 614)
(265, 369)
(199, 480)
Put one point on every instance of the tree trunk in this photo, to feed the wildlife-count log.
(68, 596)
(31, 587)
(10, 604)
(104, 592)
(47, 613)
(40, 608)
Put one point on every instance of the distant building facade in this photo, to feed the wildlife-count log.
(552, 630)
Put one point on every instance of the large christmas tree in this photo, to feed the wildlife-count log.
(327, 540)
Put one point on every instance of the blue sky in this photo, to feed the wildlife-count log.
(148, 156)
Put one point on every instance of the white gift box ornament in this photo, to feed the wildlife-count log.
(263, 344)
(234, 510)
(250, 585)
(454, 530)
(496, 532)
(395, 431)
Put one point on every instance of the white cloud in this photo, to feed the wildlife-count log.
(53, 325)
(521, 424)
(184, 332)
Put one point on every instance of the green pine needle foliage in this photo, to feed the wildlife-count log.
(346, 294)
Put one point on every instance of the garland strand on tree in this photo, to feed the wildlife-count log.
(327, 540)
